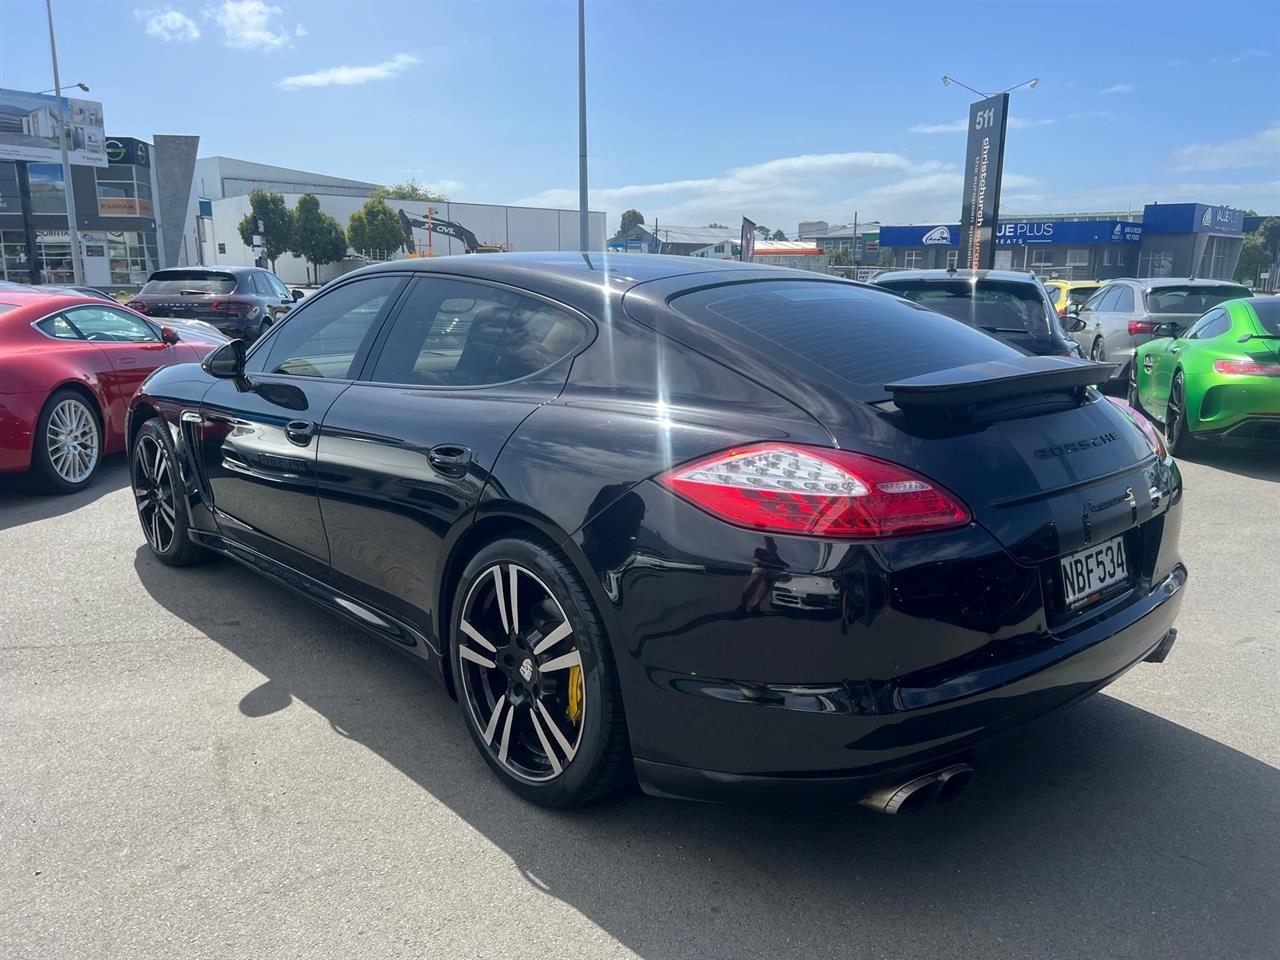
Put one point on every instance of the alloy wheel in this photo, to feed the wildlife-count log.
(521, 672)
(154, 493)
(1173, 415)
(1095, 351)
(71, 439)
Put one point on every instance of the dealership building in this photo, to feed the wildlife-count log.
(1166, 240)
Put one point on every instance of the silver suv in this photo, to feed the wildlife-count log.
(1122, 315)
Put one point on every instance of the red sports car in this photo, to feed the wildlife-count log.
(68, 366)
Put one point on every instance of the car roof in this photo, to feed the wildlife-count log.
(1014, 276)
(211, 268)
(1152, 282)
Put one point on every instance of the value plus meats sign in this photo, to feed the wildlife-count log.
(984, 161)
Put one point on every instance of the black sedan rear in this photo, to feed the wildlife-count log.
(705, 525)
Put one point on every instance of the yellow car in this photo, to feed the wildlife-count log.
(1064, 293)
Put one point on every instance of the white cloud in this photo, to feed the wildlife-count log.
(168, 25)
(1252, 53)
(959, 126)
(1256, 150)
(351, 76)
(251, 25)
(1118, 88)
(1256, 194)
(299, 30)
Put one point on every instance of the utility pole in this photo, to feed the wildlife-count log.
(584, 226)
(74, 235)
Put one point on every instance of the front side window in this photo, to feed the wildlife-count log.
(278, 287)
(105, 325)
(330, 334)
(461, 334)
(1212, 324)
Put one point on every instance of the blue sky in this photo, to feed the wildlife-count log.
(698, 111)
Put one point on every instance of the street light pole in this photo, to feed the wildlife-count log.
(68, 188)
(584, 231)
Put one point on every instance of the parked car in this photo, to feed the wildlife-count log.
(68, 366)
(1217, 378)
(570, 484)
(73, 289)
(1123, 314)
(1067, 293)
(1007, 304)
(242, 302)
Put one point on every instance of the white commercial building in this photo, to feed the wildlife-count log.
(223, 185)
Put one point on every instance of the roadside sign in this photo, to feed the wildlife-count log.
(983, 166)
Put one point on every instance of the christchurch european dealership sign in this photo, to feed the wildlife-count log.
(31, 127)
(983, 164)
(1017, 233)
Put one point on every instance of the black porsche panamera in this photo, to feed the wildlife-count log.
(718, 528)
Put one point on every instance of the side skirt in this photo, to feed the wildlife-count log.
(377, 622)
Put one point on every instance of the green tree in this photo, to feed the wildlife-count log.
(778, 235)
(411, 189)
(629, 219)
(317, 237)
(375, 228)
(1253, 260)
(717, 226)
(276, 220)
(1269, 233)
(762, 231)
(886, 258)
(838, 258)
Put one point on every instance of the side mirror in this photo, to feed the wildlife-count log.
(1077, 324)
(297, 295)
(227, 362)
(1166, 329)
(169, 335)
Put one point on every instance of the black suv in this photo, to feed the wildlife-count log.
(240, 301)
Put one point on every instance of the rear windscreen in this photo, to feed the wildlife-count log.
(994, 305)
(1191, 299)
(863, 337)
(193, 281)
(1267, 310)
(1080, 294)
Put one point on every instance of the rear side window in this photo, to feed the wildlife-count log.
(454, 333)
(995, 305)
(260, 285)
(193, 281)
(1267, 310)
(1191, 299)
(864, 338)
(1124, 302)
(58, 326)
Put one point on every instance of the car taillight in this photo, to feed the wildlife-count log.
(227, 306)
(815, 491)
(1246, 368)
(1154, 440)
(1140, 326)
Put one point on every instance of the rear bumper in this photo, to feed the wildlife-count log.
(1238, 408)
(899, 745)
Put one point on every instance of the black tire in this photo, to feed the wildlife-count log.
(1177, 435)
(1097, 350)
(601, 761)
(159, 498)
(46, 456)
(263, 328)
(1131, 395)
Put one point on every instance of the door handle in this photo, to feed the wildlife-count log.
(127, 361)
(300, 431)
(449, 458)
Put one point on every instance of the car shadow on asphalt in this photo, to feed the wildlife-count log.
(23, 501)
(1259, 461)
(1101, 831)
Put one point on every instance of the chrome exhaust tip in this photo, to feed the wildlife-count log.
(939, 786)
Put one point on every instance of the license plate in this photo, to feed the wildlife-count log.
(1087, 574)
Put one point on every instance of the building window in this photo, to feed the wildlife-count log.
(1214, 262)
(1106, 256)
(1122, 255)
(131, 256)
(1155, 263)
(953, 259)
(48, 191)
(124, 190)
(14, 264)
(911, 259)
(222, 248)
(1041, 260)
(1078, 264)
(53, 256)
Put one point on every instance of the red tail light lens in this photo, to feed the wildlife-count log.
(228, 306)
(815, 491)
(1246, 368)
(1140, 326)
(139, 305)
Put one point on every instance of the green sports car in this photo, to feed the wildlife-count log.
(1219, 377)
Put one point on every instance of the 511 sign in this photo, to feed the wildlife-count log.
(983, 165)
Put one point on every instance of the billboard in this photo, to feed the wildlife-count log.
(983, 165)
(31, 124)
(1192, 218)
(1017, 233)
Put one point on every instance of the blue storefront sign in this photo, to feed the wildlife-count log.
(1192, 218)
(1019, 233)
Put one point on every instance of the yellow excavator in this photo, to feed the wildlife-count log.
(445, 228)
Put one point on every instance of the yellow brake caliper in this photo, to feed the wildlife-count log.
(575, 694)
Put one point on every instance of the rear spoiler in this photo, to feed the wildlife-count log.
(994, 389)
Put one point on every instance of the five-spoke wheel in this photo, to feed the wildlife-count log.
(534, 675)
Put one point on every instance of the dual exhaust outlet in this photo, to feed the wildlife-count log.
(937, 786)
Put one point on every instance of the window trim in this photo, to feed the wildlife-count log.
(590, 333)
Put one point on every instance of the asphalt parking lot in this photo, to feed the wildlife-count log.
(194, 763)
